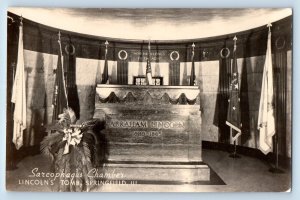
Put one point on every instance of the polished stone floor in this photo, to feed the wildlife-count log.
(246, 174)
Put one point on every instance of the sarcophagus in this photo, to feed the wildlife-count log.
(153, 130)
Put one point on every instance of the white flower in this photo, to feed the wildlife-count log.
(73, 137)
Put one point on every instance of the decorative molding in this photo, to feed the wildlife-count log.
(157, 94)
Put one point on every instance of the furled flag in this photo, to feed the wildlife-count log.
(19, 95)
(60, 99)
(266, 119)
(234, 112)
(193, 77)
(148, 68)
(105, 78)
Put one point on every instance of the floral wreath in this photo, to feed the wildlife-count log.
(71, 148)
(125, 56)
(222, 53)
(172, 54)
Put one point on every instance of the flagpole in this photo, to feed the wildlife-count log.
(148, 67)
(192, 77)
(60, 96)
(236, 87)
(275, 169)
(234, 153)
(105, 77)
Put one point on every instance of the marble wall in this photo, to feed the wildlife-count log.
(40, 80)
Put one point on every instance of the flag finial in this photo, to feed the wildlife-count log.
(235, 39)
(106, 43)
(193, 50)
(269, 25)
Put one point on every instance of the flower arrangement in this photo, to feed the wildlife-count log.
(71, 148)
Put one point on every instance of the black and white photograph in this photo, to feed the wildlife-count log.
(149, 99)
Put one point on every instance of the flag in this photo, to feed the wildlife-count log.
(192, 78)
(105, 79)
(60, 99)
(19, 95)
(148, 68)
(266, 119)
(234, 112)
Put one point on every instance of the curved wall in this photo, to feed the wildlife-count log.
(85, 64)
(154, 23)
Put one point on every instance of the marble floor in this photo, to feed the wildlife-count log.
(246, 174)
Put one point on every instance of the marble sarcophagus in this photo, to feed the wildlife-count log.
(152, 132)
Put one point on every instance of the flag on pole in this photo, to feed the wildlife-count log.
(234, 112)
(105, 79)
(148, 68)
(19, 95)
(266, 119)
(60, 99)
(193, 77)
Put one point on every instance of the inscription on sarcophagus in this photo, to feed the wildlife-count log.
(153, 133)
(138, 128)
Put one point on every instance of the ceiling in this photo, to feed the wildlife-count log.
(154, 24)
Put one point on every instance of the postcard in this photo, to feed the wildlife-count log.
(149, 100)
